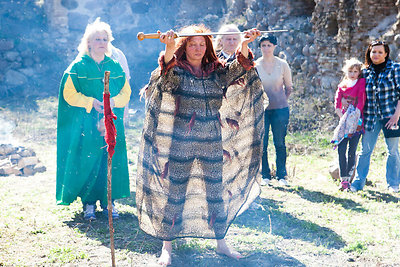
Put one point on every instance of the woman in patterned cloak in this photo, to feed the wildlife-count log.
(183, 187)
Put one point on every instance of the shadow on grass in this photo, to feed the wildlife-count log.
(319, 197)
(192, 257)
(283, 224)
(379, 196)
(128, 236)
(130, 201)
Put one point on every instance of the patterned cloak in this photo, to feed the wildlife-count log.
(200, 150)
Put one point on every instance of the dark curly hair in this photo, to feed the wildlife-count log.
(269, 37)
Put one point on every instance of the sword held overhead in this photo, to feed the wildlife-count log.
(141, 36)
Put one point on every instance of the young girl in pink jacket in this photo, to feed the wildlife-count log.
(351, 91)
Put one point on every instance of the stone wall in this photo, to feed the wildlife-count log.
(322, 34)
(297, 45)
(126, 18)
(20, 47)
(343, 29)
(38, 39)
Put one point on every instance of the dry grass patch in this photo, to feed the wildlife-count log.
(310, 223)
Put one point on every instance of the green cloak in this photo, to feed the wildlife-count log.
(81, 150)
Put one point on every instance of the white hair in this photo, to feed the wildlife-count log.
(91, 29)
(226, 28)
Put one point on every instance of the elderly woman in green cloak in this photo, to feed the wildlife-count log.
(81, 149)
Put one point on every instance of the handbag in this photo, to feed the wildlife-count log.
(389, 133)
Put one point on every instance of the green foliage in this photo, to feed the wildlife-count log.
(65, 255)
(357, 247)
(39, 231)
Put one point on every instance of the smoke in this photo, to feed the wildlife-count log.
(6, 129)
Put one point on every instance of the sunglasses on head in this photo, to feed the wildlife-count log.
(378, 43)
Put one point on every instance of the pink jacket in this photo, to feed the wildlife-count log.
(355, 94)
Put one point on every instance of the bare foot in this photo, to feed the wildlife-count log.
(222, 248)
(165, 258)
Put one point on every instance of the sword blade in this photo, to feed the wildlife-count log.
(223, 33)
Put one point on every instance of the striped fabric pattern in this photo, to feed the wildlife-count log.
(200, 151)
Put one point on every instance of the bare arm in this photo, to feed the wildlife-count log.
(287, 80)
(288, 91)
(249, 37)
(395, 118)
(168, 39)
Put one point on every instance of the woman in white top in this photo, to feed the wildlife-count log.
(276, 78)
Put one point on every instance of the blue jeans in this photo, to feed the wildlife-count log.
(278, 119)
(393, 160)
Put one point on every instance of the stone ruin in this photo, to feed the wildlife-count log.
(19, 161)
(322, 33)
(33, 59)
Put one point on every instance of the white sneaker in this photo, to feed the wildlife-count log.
(393, 189)
(283, 182)
(265, 181)
(353, 189)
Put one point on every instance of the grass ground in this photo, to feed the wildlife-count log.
(310, 223)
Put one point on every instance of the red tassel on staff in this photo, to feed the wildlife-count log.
(110, 136)
(109, 118)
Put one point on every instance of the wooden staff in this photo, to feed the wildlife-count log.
(141, 36)
(109, 178)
